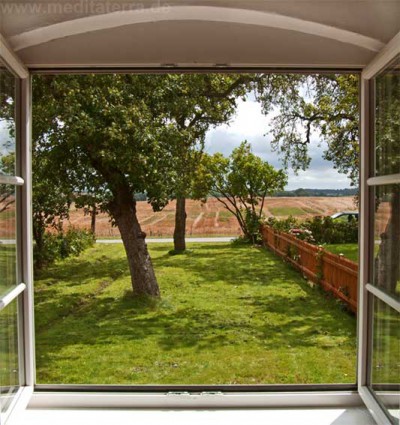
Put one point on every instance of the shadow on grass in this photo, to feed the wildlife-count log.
(80, 272)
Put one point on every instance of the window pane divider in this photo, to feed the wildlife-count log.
(16, 181)
(11, 295)
(382, 180)
(383, 296)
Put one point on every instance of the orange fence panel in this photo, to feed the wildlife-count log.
(334, 273)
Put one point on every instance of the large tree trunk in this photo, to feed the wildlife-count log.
(123, 210)
(387, 265)
(180, 225)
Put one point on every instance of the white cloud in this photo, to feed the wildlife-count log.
(252, 125)
(249, 120)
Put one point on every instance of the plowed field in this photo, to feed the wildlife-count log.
(212, 218)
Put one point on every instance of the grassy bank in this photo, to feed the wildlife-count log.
(228, 315)
(349, 250)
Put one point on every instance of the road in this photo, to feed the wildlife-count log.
(170, 240)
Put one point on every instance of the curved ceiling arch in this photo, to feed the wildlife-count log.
(189, 13)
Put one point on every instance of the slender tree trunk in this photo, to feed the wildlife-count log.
(93, 220)
(38, 235)
(180, 225)
(387, 266)
(123, 210)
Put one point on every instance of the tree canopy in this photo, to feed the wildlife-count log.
(320, 104)
(241, 183)
(118, 135)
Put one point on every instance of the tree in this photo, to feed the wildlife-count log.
(128, 134)
(329, 106)
(111, 132)
(51, 202)
(202, 101)
(7, 191)
(241, 183)
(326, 105)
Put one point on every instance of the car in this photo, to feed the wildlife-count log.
(345, 215)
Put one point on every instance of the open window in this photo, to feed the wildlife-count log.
(115, 44)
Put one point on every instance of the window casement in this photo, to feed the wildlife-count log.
(379, 313)
(16, 372)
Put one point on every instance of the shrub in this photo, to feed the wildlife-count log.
(318, 230)
(284, 225)
(61, 245)
(75, 241)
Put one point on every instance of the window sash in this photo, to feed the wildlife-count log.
(367, 291)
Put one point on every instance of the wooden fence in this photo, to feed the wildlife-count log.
(333, 272)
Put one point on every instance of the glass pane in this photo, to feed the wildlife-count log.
(8, 252)
(387, 121)
(7, 121)
(9, 367)
(387, 239)
(385, 358)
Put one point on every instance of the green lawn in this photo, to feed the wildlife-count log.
(349, 250)
(228, 315)
(8, 268)
(286, 211)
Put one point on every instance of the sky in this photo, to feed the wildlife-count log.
(252, 125)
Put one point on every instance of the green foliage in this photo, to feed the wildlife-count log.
(284, 225)
(241, 183)
(61, 245)
(75, 241)
(327, 230)
(324, 230)
(145, 132)
(326, 104)
(113, 136)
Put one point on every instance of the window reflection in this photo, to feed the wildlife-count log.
(9, 372)
(387, 239)
(8, 263)
(7, 122)
(385, 359)
(387, 121)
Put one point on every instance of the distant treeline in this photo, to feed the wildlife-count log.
(317, 192)
(294, 193)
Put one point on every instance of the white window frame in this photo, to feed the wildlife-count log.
(368, 181)
(207, 399)
(23, 291)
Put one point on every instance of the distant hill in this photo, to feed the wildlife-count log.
(317, 192)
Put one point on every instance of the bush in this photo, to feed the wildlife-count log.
(61, 245)
(318, 230)
(327, 230)
(75, 241)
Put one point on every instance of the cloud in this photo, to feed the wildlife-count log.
(252, 125)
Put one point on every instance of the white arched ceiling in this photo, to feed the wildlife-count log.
(189, 13)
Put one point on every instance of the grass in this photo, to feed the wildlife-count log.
(286, 211)
(228, 315)
(8, 268)
(349, 250)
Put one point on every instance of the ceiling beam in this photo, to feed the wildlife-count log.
(189, 13)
